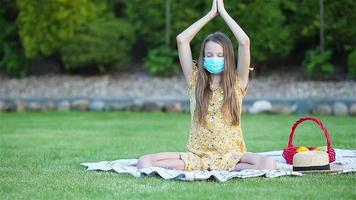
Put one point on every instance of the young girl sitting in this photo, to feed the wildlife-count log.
(216, 87)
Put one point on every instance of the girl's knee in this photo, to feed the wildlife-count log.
(145, 161)
(268, 163)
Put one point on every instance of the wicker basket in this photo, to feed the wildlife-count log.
(290, 150)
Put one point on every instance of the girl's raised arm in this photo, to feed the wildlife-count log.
(184, 38)
(243, 63)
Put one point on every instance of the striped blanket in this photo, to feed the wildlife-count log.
(345, 162)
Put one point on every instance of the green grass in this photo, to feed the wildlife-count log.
(40, 155)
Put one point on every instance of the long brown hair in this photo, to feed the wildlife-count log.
(203, 92)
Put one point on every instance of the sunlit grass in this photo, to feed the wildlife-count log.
(40, 155)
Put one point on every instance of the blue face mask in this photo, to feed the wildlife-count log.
(214, 65)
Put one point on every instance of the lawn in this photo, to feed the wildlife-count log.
(40, 155)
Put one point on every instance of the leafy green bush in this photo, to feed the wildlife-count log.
(276, 28)
(265, 26)
(338, 15)
(317, 63)
(45, 25)
(13, 61)
(160, 61)
(99, 43)
(8, 27)
(266, 35)
(351, 63)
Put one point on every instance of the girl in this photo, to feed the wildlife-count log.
(216, 88)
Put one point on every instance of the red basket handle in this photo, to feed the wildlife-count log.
(318, 122)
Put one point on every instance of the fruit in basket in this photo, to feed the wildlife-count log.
(314, 148)
(302, 148)
(323, 148)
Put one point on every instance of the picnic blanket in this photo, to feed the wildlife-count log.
(345, 160)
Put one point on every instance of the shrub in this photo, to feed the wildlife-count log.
(266, 35)
(13, 61)
(99, 43)
(265, 26)
(45, 25)
(351, 63)
(160, 61)
(317, 63)
(338, 15)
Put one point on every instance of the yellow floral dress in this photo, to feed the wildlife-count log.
(219, 145)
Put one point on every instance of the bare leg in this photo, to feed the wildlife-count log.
(167, 155)
(255, 161)
(169, 160)
(171, 164)
(240, 166)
